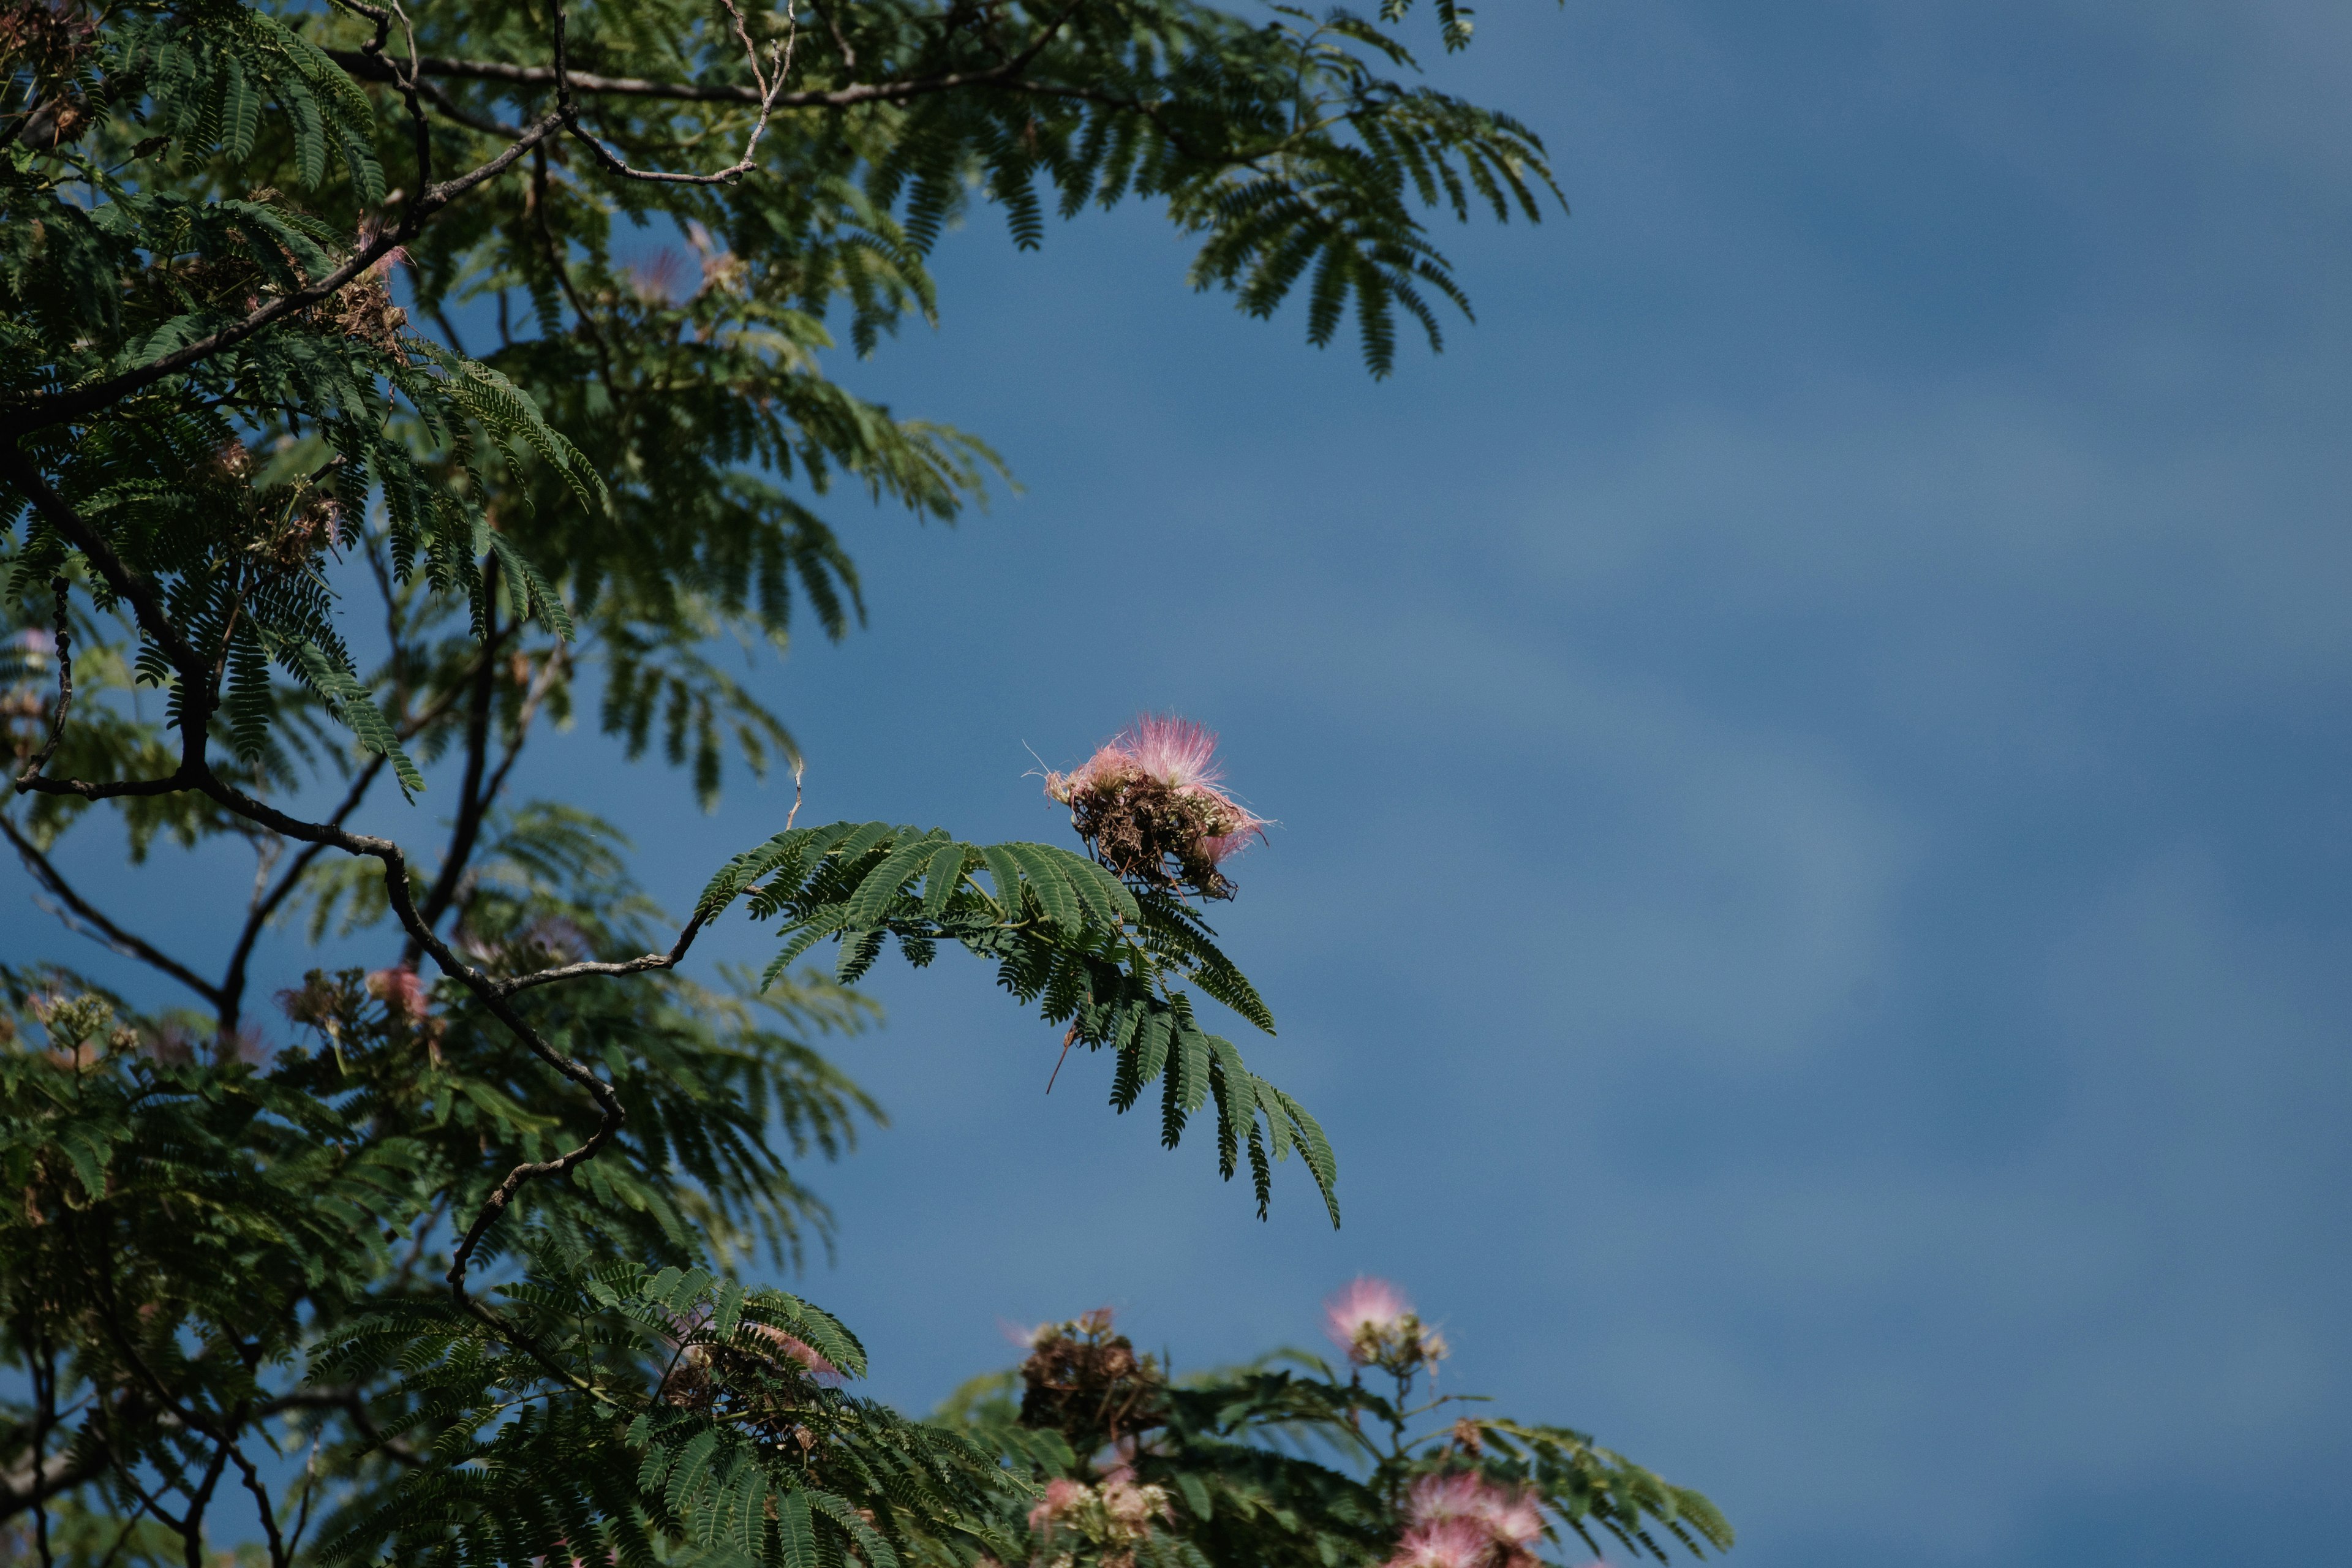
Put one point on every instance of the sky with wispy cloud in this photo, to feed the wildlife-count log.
(1811, 749)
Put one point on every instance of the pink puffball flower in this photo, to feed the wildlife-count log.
(1062, 1497)
(1510, 1514)
(1152, 807)
(1519, 1522)
(400, 991)
(1130, 1506)
(797, 1349)
(1361, 1314)
(1444, 1543)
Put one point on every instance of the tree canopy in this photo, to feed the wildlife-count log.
(375, 380)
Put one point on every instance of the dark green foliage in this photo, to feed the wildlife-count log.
(1285, 1463)
(1066, 936)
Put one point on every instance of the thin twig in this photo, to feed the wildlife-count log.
(1006, 73)
(650, 961)
(63, 635)
(770, 83)
(107, 931)
(1067, 1040)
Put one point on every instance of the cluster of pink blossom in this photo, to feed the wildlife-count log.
(401, 990)
(1154, 793)
(1464, 1520)
(1113, 1517)
(793, 1347)
(1375, 1325)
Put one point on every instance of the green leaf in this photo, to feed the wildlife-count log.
(795, 1531)
(1006, 873)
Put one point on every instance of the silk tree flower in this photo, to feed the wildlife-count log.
(1063, 1498)
(1510, 1514)
(1154, 795)
(400, 991)
(1372, 1320)
(1114, 1518)
(1464, 1520)
(1446, 1543)
(812, 1360)
(1362, 1313)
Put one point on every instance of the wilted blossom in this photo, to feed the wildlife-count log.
(1373, 1321)
(400, 991)
(1154, 793)
(1465, 1520)
(362, 308)
(371, 229)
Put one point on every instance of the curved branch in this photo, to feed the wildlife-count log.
(112, 935)
(232, 997)
(1006, 72)
(770, 82)
(651, 961)
(64, 635)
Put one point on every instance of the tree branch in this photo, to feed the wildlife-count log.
(472, 803)
(770, 82)
(1006, 72)
(650, 961)
(232, 997)
(64, 635)
(112, 935)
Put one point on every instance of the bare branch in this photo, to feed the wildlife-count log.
(104, 789)
(472, 803)
(107, 931)
(1006, 73)
(63, 635)
(770, 82)
(651, 961)
(232, 995)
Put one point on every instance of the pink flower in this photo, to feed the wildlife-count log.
(1174, 751)
(797, 1349)
(1444, 1543)
(1175, 763)
(1178, 752)
(656, 282)
(1508, 1514)
(1131, 1506)
(1362, 1312)
(399, 990)
(1061, 1496)
(1519, 1522)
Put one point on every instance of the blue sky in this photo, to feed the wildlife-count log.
(1809, 747)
